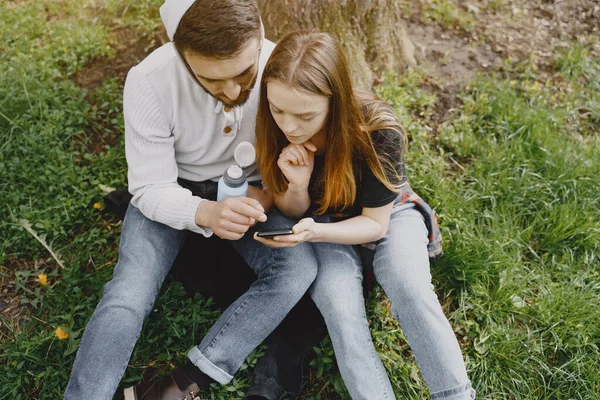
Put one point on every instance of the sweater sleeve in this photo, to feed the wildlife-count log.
(152, 168)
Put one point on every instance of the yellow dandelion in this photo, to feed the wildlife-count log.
(60, 334)
(43, 279)
(98, 206)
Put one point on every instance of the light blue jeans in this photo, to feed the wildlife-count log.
(146, 253)
(401, 266)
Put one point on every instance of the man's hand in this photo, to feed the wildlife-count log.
(230, 218)
(264, 197)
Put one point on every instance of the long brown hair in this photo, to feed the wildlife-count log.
(314, 62)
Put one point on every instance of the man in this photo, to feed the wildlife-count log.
(186, 107)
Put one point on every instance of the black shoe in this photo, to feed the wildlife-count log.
(278, 372)
(266, 380)
(176, 386)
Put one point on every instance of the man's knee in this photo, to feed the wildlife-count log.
(299, 262)
(338, 299)
(132, 289)
(136, 299)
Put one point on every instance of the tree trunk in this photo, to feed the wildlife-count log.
(370, 31)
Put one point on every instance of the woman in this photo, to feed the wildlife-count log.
(335, 156)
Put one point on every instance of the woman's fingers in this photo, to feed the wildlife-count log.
(291, 239)
(301, 151)
(291, 156)
(296, 154)
(310, 146)
(305, 224)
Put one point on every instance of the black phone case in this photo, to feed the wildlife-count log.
(271, 234)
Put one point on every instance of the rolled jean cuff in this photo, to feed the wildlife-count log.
(462, 392)
(206, 366)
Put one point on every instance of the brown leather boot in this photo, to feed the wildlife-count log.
(177, 386)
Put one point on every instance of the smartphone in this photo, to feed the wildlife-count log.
(271, 234)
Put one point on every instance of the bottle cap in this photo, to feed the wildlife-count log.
(235, 172)
(244, 154)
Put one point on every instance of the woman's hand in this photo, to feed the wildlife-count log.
(296, 161)
(306, 230)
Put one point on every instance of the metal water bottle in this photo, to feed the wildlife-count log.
(233, 183)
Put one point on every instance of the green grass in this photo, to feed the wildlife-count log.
(514, 175)
(520, 218)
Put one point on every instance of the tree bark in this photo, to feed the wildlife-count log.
(371, 32)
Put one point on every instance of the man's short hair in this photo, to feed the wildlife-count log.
(218, 28)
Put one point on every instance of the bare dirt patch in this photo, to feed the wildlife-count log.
(449, 56)
(513, 28)
(452, 60)
(505, 29)
(131, 48)
(541, 28)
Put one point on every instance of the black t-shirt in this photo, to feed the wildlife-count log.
(370, 192)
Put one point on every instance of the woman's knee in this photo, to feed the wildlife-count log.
(408, 291)
(405, 286)
(402, 269)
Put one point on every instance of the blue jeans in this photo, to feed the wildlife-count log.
(401, 267)
(146, 253)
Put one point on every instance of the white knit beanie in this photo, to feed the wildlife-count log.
(171, 13)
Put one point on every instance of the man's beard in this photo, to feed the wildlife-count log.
(242, 98)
